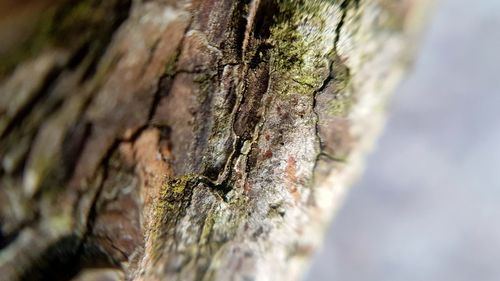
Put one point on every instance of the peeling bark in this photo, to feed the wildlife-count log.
(188, 140)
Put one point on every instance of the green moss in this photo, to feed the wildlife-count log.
(207, 227)
(341, 74)
(170, 204)
(170, 68)
(82, 14)
(301, 42)
(339, 107)
(289, 44)
(341, 102)
(179, 184)
(60, 223)
(176, 186)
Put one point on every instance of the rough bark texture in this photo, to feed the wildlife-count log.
(186, 140)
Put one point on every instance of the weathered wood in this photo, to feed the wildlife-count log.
(189, 140)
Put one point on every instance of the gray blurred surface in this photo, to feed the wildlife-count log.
(428, 205)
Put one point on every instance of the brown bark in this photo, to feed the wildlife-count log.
(186, 140)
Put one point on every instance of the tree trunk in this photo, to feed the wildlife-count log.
(186, 140)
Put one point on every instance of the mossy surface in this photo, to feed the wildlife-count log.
(342, 101)
(298, 37)
(339, 107)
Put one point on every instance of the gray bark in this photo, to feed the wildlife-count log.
(188, 140)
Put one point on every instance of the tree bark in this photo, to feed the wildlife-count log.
(187, 140)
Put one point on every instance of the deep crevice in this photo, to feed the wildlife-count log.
(343, 7)
(103, 259)
(58, 263)
(239, 25)
(334, 56)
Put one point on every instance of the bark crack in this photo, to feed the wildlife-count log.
(333, 56)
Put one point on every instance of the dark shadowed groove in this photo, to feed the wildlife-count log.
(58, 263)
(121, 12)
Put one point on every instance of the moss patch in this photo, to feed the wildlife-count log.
(342, 101)
(298, 37)
(339, 107)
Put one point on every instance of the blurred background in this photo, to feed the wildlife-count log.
(428, 204)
